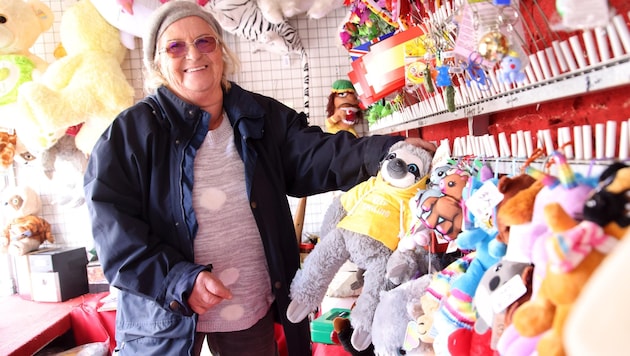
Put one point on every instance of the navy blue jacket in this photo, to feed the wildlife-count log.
(138, 186)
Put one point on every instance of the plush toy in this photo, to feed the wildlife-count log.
(127, 16)
(481, 197)
(440, 207)
(343, 330)
(8, 142)
(410, 255)
(276, 11)
(414, 255)
(21, 24)
(394, 330)
(439, 289)
(488, 309)
(343, 108)
(512, 212)
(511, 69)
(568, 189)
(469, 342)
(596, 325)
(573, 256)
(377, 215)
(64, 164)
(25, 231)
(87, 87)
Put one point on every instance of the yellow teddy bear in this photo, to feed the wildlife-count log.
(21, 24)
(85, 89)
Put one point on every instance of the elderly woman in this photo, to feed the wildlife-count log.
(190, 264)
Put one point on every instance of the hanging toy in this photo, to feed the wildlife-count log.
(450, 98)
(444, 80)
(493, 46)
(428, 81)
(511, 69)
(475, 72)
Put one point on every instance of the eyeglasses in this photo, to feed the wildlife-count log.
(177, 49)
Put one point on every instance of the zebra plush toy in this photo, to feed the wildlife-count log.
(243, 18)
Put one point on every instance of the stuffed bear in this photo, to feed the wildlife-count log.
(377, 214)
(21, 24)
(87, 87)
(25, 231)
(513, 212)
(573, 255)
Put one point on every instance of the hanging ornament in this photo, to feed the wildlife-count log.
(493, 46)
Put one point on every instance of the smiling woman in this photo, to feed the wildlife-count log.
(187, 192)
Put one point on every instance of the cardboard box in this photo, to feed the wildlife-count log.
(58, 274)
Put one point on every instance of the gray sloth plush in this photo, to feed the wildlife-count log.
(363, 225)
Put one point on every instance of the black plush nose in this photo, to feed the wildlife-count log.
(397, 168)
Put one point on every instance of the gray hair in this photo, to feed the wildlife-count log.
(159, 21)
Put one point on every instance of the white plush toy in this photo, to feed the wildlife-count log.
(375, 214)
(129, 17)
(277, 11)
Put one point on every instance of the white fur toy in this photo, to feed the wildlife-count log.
(375, 214)
(275, 11)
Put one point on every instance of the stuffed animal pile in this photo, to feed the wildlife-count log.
(522, 285)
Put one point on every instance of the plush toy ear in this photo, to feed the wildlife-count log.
(44, 14)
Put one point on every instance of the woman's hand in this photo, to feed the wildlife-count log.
(422, 143)
(207, 292)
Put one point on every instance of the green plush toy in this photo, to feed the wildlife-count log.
(14, 70)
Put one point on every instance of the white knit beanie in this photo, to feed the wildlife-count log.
(164, 16)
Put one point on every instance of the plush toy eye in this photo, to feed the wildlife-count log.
(413, 169)
(3, 19)
(342, 95)
(391, 156)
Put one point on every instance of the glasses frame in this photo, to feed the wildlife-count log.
(188, 44)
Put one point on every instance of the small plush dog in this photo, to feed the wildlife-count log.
(369, 220)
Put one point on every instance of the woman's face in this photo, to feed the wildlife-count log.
(192, 75)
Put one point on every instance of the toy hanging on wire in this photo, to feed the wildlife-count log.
(443, 80)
